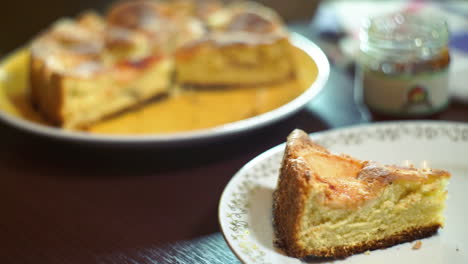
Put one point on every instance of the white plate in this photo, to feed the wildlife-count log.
(245, 206)
(199, 135)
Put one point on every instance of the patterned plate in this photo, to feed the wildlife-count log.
(245, 206)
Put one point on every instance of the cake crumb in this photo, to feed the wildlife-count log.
(367, 252)
(417, 245)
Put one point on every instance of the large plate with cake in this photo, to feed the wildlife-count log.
(160, 71)
(391, 192)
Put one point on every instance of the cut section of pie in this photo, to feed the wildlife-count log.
(329, 205)
(86, 69)
(247, 44)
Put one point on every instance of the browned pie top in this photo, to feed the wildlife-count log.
(132, 33)
(349, 182)
(241, 23)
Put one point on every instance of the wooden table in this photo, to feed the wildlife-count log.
(70, 203)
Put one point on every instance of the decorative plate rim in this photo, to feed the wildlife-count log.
(429, 129)
(264, 119)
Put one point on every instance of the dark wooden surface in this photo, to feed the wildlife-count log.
(69, 203)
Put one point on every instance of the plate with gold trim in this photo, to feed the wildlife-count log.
(141, 125)
(246, 203)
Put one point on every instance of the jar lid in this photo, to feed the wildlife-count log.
(404, 32)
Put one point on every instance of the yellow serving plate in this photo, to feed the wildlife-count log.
(188, 114)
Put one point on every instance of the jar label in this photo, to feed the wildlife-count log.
(417, 94)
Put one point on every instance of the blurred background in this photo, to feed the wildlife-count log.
(22, 19)
(332, 24)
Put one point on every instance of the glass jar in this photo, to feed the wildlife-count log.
(403, 64)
